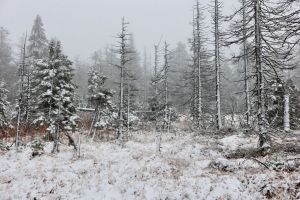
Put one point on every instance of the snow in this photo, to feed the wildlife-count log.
(234, 142)
(188, 167)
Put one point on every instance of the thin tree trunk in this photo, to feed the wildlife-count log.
(194, 75)
(286, 118)
(56, 136)
(18, 128)
(122, 66)
(158, 142)
(96, 119)
(155, 69)
(217, 66)
(79, 145)
(121, 102)
(93, 121)
(245, 63)
(128, 108)
(21, 100)
(169, 120)
(199, 103)
(145, 79)
(166, 84)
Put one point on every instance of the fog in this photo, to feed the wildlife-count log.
(84, 26)
(212, 112)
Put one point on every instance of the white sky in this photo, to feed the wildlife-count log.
(84, 26)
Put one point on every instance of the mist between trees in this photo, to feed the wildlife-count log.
(42, 91)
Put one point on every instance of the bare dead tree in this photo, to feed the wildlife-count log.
(267, 28)
(200, 63)
(166, 86)
(217, 38)
(123, 52)
(245, 64)
(156, 69)
(21, 100)
(198, 50)
(286, 110)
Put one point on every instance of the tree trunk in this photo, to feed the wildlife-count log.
(262, 123)
(128, 107)
(286, 118)
(217, 66)
(18, 127)
(122, 66)
(56, 140)
(245, 63)
(198, 43)
(166, 84)
(155, 69)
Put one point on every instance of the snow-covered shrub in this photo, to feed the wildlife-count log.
(233, 120)
(37, 147)
(133, 119)
(222, 165)
(3, 146)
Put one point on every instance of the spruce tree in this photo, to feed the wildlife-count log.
(133, 82)
(179, 59)
(3, 106)
(54, 88)
(99, 98)
(7, 68)
(38, 43)
(37, 49)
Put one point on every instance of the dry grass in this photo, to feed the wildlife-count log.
(26, 131)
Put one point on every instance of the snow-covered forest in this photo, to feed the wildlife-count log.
(213, 116)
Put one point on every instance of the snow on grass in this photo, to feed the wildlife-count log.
(188, 167)
(234, 142)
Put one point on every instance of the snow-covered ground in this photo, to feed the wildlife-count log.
(188, 167)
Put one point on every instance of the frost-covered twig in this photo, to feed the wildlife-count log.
(263, 164)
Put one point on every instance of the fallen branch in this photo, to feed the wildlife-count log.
(263, 164)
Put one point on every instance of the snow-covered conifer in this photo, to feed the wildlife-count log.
(3, 105)
(37, 49)
(54, 88)
(38, 43)
(100, 99)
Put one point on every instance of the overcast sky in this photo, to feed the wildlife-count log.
(84, 26)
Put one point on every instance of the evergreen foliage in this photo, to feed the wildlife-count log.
(38, 43)
(54, 89)
(3, 106)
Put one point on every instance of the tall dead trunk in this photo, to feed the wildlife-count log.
(286, 117)
(21, 102)
(217, 66)
(128, 107)
(199, 85)
(123, 59)
(166, 87)
(245, 63)
(260, 77)
(18, 127)
(121, 100)
(155, 69)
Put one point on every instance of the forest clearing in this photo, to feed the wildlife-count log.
(153, 99)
